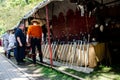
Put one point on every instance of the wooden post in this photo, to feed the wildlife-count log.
(49, 43)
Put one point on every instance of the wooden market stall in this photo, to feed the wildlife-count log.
(71, 33)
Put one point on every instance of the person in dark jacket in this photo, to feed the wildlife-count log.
(20, 44)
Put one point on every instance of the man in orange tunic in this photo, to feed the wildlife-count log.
(34, 34)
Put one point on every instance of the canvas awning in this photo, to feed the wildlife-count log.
(37, 7)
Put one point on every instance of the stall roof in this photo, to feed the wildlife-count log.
(37, 7)
(45, 2)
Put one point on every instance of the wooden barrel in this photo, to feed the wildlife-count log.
(96, 54)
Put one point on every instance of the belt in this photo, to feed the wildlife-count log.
(35, 37)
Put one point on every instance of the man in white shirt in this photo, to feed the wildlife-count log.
(11, 44)
(5, 41)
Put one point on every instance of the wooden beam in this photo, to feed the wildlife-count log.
(111, 2)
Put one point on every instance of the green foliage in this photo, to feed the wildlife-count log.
(11, 11)
(53, 74)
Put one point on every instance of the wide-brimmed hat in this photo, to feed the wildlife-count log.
(36, 20)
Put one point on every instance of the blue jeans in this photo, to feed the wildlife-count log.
(8, 53)
(15, 53)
